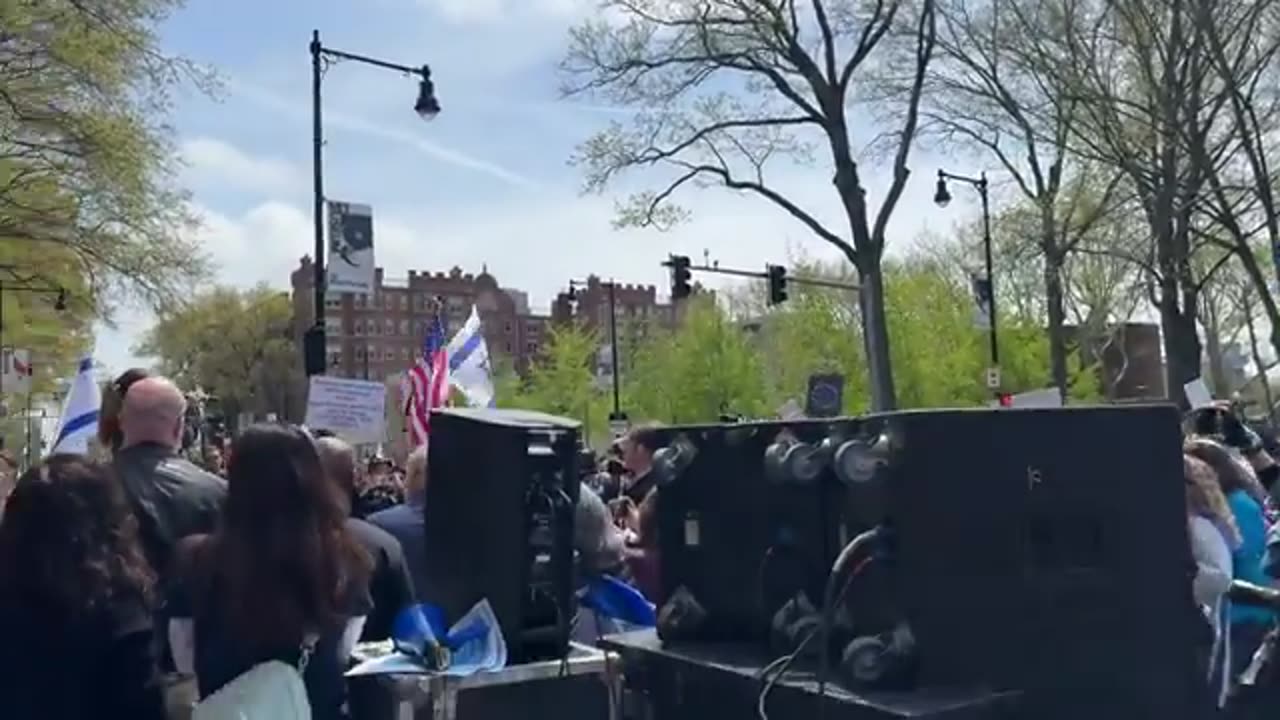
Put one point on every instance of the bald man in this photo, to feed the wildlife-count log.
(390, 585)
(171, 497)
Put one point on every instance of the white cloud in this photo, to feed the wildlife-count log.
(489, 11)
(212, 161)
(272, 101)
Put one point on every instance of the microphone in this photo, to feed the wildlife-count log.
(1252, 595)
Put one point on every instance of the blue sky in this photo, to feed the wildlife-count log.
(485, 183)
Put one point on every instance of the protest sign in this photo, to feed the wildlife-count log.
(354, 410)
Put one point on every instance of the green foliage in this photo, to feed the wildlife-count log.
(751, 361)
(87, 165)
(236, 345)
(30, 319)
(705, 368)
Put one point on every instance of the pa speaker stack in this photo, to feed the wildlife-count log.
(501, 493)
(1042, 550)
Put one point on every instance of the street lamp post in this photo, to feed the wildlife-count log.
(427, 107)
(943, 197)
(616, 418)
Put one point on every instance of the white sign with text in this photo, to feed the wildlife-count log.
(354, 410)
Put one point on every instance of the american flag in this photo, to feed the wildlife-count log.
(428, 383)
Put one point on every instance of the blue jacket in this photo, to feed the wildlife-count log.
(1248, 557)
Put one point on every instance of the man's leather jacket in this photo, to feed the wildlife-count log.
(171, 497)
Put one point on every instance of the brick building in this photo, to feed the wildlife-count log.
(379, 335)
(637, 307)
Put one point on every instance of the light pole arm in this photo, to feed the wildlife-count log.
(978, 182)
(323, 51)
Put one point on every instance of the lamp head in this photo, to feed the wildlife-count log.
(942, 197)
(427, 106)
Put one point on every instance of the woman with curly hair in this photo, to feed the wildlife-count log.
(1214, 536)
(1245, 498)
(75, 600)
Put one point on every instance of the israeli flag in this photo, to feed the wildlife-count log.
(79, 421)
(469, 368)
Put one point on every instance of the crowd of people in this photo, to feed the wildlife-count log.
(1232, 516)
(138, 586)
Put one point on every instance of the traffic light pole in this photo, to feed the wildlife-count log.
(812, 282)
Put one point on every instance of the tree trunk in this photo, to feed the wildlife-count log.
(875, 335)
(1181, 344)
(1246, 306)
(1057, 322)
(1213, 353)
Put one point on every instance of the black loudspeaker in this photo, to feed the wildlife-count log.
(744, 547)
(501, 491)
(1046, 550)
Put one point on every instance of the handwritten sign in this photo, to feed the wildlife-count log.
(1198, 395)
(354, 410)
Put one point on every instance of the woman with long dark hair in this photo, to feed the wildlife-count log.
(76, 635)
(281, 573)
(109, 433)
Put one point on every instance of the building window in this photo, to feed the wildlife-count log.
(404, 301)
(532, 347)
(406, 354)
(360, 300)
(359, 353)
(508, 328)
(390, 326)
(388, 301)
(404, 327)
(375, 328)
(508, 348)
(359, 326)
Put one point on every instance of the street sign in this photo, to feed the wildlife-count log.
(993, 378)
(618, 425)
(826, 395)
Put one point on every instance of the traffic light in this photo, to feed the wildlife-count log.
(313, 350)
(777, 284)
(680, 277)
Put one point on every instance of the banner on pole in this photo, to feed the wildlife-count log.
(351, 262)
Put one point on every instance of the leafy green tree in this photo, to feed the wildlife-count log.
(236, 345)
(707, 366)
(86, 161)
(726, 91)
(561, 381)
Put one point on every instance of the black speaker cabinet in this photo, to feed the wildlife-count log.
(741, 526)
(501, 490)
(1047, 550)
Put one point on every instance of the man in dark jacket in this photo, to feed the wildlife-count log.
(172, 497)
(390, 585)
